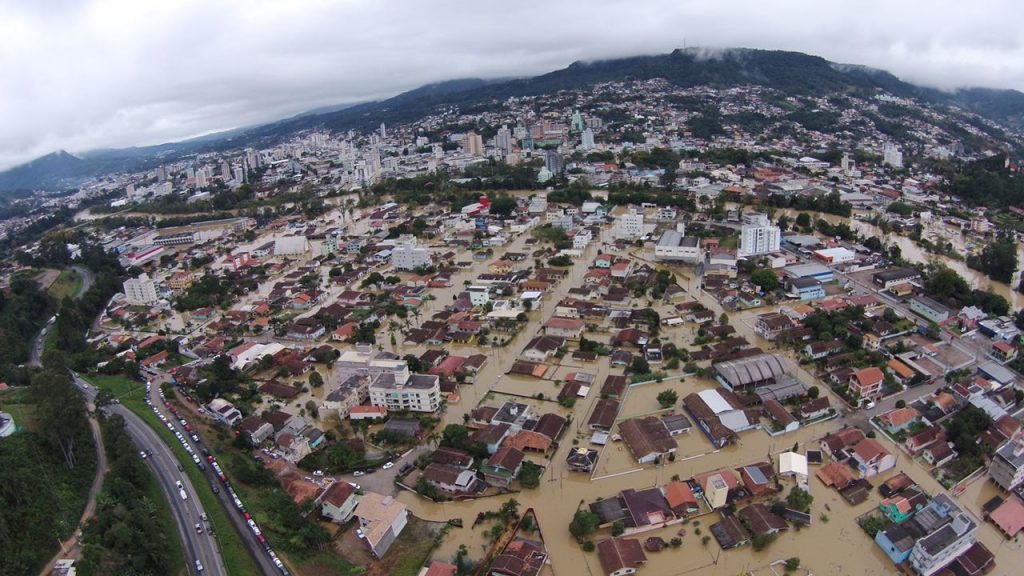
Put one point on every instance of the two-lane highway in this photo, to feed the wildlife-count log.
(186, 512)
(252, 544)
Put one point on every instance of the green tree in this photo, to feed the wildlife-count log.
(765, 278)
(813, 392)
(503, 206)
(315, 379)
(583, 523)
(799, 499)
(667, 398)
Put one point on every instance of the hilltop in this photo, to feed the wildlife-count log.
(790, 73)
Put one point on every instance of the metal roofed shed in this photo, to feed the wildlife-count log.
(750, 372)
(793, 464)
(715, 401)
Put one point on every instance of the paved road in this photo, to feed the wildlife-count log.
(36, 354)
(256, 549)
(186, 513)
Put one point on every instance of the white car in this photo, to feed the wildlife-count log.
(359, 532)
(142, 453)
(318, 472)
(358, 473)
(387, 465)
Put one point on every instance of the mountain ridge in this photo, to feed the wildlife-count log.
(794, 73)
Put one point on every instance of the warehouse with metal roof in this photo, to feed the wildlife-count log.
(750, 372)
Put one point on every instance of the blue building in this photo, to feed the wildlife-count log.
(807, 288)
(819, 272)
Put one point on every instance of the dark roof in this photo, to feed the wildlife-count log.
(277, 419)
(618, 553)
(506, 458)
(645, 436)
(451, 457)
(729, 532)
(603, 416)
(337, 493)
(614, 385)
(551, 425)
(761, 520)
(275, 388)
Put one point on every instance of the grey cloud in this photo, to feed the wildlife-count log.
(99, 73)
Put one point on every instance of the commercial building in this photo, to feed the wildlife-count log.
(750, 372)
(758, 236)
(929, 309)
(400, 390)
(807, 288)
(834, 255)
(407, 255)
(674, 247)
(141, 291)
(888, 278)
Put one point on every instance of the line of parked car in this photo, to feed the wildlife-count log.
(217, 470)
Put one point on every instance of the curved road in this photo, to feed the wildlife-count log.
(186, 513)
(256, 550)
(36, 354)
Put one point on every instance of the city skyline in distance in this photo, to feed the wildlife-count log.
(108, 74)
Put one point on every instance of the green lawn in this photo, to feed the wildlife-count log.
(131, 394)
(17, 404)
(67, 284)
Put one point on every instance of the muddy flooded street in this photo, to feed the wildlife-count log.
(836, 546)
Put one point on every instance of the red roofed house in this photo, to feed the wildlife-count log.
(867, 383)
(338, 502)
(620, 556)
(681, 498)
(570, 328)
(872, 458)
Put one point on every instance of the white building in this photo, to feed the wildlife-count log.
(400, 390)
(629, 226)
(479, 295)
(290, 245)
(407, 255)
(140, 291)
(674, 247)
(503, 140)
(758, 235)
(588, 139)
(581, 238)
(891, 155)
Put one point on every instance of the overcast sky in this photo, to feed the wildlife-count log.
(86, 74)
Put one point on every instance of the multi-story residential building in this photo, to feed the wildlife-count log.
(629, 226)
(867, 382)
(401, 390)
(181, 280)
(1007, 468)
(382, 519)
(674, 247)
(758, 235)
(936, 550)
(407, 255)
(892, 155)
(140, 291)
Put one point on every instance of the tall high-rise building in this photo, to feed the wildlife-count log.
(473, 144)
(553, 161)
(383, 131)
(503, 140)
(239, 175)
(758, 235)
(587, 139)
(140, 291)
(891, 155)
(577, 125)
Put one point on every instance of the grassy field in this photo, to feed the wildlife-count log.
(67, 284)
(17, 404)
(132, 395)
